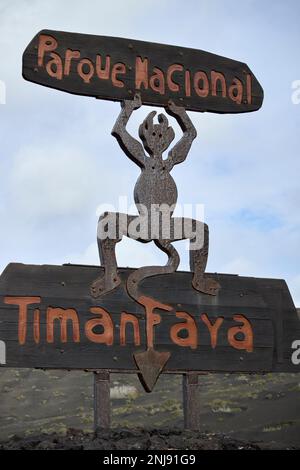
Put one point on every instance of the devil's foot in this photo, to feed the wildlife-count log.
(206, 285)
(102, 286)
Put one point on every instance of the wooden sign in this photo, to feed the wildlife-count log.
(114, 69)
(49, 320)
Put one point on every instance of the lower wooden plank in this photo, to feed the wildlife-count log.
(49, 320)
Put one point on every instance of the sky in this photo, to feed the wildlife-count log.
(59, 164)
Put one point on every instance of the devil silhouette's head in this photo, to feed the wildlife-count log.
(156, 137)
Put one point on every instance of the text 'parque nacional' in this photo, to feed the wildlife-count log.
(115, 68)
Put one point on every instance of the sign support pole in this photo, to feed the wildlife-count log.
(191, 410)
(102, 413)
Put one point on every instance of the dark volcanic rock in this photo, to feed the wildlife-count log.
(133, 439)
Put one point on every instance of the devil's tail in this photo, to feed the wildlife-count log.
(143, 273)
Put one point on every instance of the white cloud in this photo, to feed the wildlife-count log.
(134, 254)
(130, 253)
(89, 256)
(48, 182)
(294, 285)
(240, 265)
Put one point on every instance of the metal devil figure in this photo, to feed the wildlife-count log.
(154, 188)
(153, 319)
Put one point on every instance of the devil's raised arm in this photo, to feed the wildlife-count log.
(180, 151)
(132, 147)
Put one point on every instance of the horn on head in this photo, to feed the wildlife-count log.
(163, 120)
(148, 122)
(146, 128)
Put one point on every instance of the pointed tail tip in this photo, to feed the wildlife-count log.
(150, 364)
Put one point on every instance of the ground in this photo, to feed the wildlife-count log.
(235, 410)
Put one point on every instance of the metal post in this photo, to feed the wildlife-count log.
(190, 402)
(101, 400)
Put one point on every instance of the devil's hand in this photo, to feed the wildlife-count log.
(133, 104)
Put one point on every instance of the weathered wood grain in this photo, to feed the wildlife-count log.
(275, 324)
(115, 68)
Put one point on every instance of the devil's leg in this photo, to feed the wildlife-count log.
(111, 228)
(198, 234)
(198, 260)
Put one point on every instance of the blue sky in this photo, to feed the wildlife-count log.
(59, 163)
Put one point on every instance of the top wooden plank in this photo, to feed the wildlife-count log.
(115, 68)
